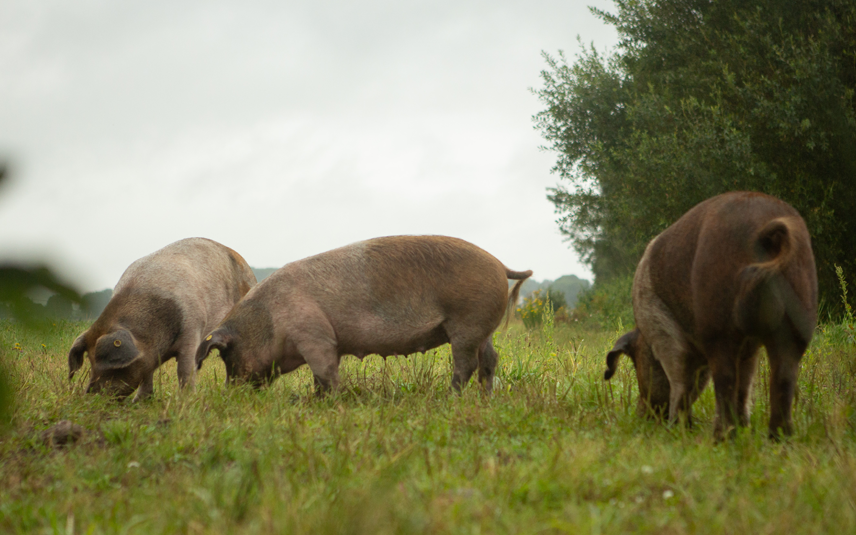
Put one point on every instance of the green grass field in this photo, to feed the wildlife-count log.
(555, 449)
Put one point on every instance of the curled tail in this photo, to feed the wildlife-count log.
(520, 277)
(626, 345)
(765, 296)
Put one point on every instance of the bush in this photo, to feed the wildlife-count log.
(606, 305)
(537, 306)
(841, 332)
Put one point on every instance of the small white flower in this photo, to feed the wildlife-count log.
(133, 464)
(667, 494)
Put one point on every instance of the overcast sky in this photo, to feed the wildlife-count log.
(280, 129)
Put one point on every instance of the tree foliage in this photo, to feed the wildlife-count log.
(702, 97)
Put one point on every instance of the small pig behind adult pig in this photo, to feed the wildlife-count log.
(395, 295)
(161, 308)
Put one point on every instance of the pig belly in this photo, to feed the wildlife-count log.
(395, 342)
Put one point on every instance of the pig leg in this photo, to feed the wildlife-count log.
(673, 359)
(746, 370)
(487, 364)
(668, 344)
(784, 354)
(146, 387)
(323, 360)
(670, 349)
(186, 362)
(186, 371)
(724, 368)
(466, 361)
(697, 377)
(654, 390)
(316, 342)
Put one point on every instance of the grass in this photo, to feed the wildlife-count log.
(555, 449)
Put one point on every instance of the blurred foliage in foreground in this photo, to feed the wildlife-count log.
(16, 283)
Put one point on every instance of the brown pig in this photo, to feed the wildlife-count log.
(734, 273)
(161, 308)
(395, 295)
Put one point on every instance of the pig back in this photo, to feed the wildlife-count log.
(438, 273)
(203, 278)
(409, 279)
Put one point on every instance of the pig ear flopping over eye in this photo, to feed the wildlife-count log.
(75, 355)
(115, 351)
(216, 340)
(624, 345)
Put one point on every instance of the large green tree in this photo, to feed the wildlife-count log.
(702, 97)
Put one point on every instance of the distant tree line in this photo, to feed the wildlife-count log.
(700, 98)
(563, 292)
(61, 306)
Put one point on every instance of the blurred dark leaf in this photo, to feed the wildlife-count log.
(16, 282)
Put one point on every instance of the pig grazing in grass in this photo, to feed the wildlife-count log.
(395, 295)
(734, 273)
(161, 308)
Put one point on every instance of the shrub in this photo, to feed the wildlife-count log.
(844, 331)
(606, 304)
(537, 306)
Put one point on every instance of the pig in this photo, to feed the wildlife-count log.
(162, 307)
(394, 295)
(734, 273)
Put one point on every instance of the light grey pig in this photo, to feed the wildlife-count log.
(161, 308)
(388, 296)
(734, 273)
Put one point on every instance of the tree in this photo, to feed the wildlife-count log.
(702, 97)
(94, 303)
(59, 307)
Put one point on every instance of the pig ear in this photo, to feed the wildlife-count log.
(115, 351)
(216, 340)
(75, 355)
(626, 345)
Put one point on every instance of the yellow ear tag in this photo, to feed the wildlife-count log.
(117, 343)
(209, 338)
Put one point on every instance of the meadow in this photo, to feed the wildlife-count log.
(555, 449)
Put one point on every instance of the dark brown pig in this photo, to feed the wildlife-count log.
(388, 296)
(161, 308)
(734, 273)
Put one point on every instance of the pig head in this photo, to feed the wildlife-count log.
(734, 273)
